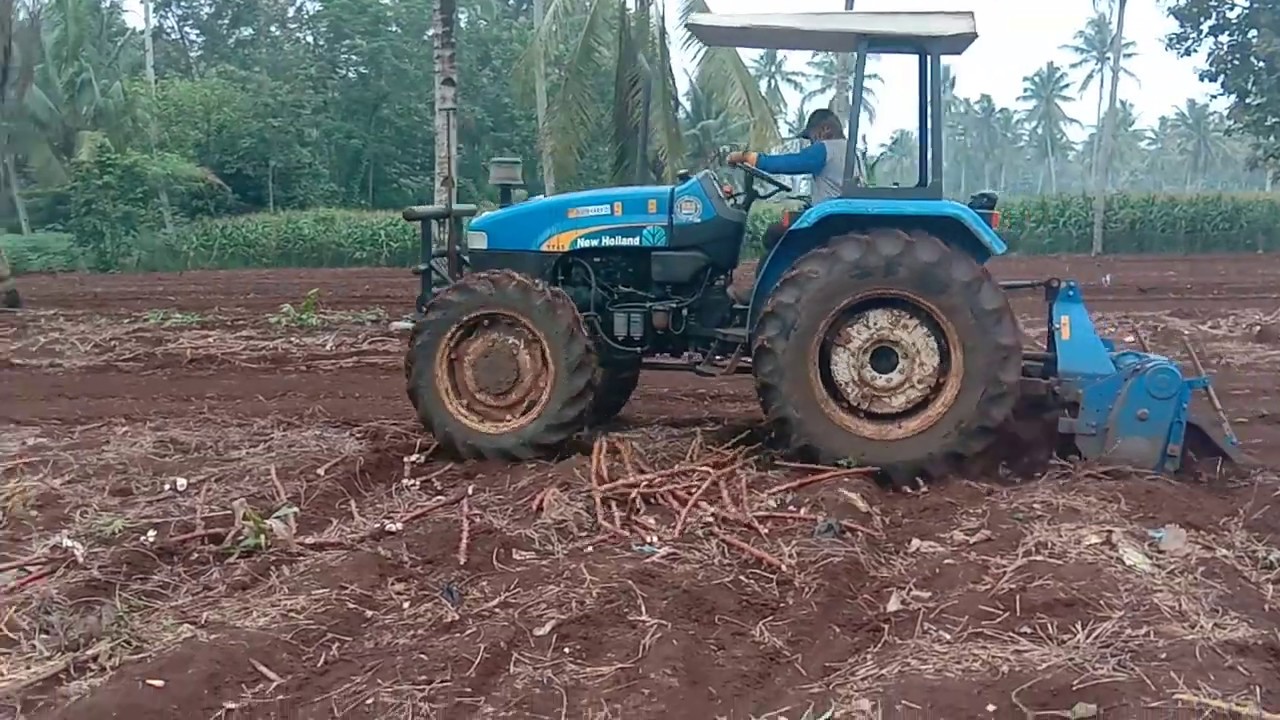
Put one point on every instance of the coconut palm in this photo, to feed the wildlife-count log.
(79, 91)
(708, 126)
(1092, 49)
(1199, 135)
(1101, 173)
(898, 161)
(796, 123)
(633, 46)
(1045, 92)
(769, 68)
(830, 75)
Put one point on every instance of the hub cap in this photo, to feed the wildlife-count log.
(494, 372)
(885, 361)
(889, 366)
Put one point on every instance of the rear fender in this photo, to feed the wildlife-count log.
(954, 223)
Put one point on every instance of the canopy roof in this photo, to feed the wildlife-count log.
(943, 33)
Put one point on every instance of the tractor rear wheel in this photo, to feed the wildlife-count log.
(615, 381)
(501, 367)
(889, 349)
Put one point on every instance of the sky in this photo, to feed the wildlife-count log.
(1015, 37)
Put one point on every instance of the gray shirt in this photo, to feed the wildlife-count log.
(829, 183)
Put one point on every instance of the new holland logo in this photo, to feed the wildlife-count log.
(653, 236)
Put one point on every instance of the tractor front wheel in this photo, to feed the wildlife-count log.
(889, 349)
(501, 367)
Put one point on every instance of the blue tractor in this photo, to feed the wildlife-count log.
(873, 329)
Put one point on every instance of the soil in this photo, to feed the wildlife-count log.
(137, 410)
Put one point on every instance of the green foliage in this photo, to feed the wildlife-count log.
(114, 207)
(306, 315)
(1135, 223)
(303, 238)
(1242, 57)
(46, 252)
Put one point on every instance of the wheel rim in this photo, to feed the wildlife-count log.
(494, 372)
(889, 365)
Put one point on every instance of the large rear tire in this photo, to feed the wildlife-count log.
(889, 349)
(501, 367)
(616, 381)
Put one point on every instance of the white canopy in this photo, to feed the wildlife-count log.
(944, 33)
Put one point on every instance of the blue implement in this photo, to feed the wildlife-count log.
(1131, 408)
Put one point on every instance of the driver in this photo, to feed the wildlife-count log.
(823, 159)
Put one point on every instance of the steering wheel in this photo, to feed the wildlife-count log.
(758, 174)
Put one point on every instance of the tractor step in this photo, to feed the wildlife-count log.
(724, 338)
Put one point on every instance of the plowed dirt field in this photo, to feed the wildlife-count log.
(152, 428)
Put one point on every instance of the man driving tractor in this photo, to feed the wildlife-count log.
(823, 159)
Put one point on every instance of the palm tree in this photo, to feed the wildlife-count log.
(1108, 131)
(708, 126)
(1092, 48)
(796, 123)
(1199, 136)
(78, 94)
(632, 45)
(769, 68)
(1045, 91)
(987, 140)
(898, 159)
(1127, 147)
(830, 74)
(20, 36)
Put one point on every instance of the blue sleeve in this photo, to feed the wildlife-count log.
(808, 161)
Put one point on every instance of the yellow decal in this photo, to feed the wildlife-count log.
(653, 207)
(617, 208)
(1064, 325)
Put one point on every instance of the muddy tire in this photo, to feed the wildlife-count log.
(614, 384)
(889, 349)
(501, 367)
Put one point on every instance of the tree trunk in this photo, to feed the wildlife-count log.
(271, 185)
(841, 103)
(1097, 125)
(15, 188)
(149, 49)
(1266, 179)
(540, 91)
(446, 100)
(1108, 130)
(1053, 169)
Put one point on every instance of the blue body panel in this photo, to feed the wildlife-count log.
(796, 243)
(1135, 407)
(967, 216)
(629, 216)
